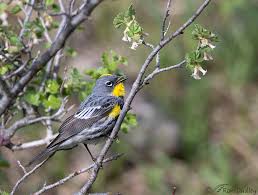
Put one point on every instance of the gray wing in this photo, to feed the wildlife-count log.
(89, 113)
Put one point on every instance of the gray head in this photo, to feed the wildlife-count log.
(107, 84)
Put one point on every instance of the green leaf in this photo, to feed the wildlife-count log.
(32, 97)
(135, 31)
(14, 40)
(111, 60)
(16, 9)
(52, 87)
(52, 102)
(124, 17)
(3, 7)
(3, 70)
(47, 45)
(201, 32)
(38, 28)
(3, 192)
(50, 2)
(71, 52)
(55, 7)
(130, 12)
(129, 122)
(119, 20)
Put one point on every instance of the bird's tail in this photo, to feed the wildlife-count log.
(44, 155)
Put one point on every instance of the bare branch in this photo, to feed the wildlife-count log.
(57, 60)
(160, 70)
(31, 119)
(27, 174)
(22, 167)
(72, 175)
(71, 4)
(17, 71)
(4, 88)
(28, 13)
(163, 28)
(35, 143)
(134, 90)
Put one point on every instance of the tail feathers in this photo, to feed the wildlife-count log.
(44, 155)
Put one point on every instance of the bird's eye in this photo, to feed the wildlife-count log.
(109, 84)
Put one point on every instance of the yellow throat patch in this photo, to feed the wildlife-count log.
(118, 91)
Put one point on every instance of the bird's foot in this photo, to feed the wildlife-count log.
(109, 137)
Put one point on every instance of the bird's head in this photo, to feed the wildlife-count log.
(110, 85)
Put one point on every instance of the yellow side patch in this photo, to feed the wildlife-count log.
(115, 111)
(119, 90)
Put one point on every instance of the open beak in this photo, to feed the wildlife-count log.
(121, 79)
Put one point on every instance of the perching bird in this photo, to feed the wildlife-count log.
(93, 121)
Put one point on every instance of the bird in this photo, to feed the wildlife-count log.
(93, 121)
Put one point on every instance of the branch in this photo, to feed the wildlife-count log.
(134, 90)
(163, 28)
(72, 175)
(70, 25)
(34, 144)
(32, 119)
(26, 174)
(28, 13)
(160, 70)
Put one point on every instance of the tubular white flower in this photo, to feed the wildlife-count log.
(207, 56)
(134, 45)
(196, 72)
(205, 42)
(3, 18)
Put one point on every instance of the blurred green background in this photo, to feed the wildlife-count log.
(192, 134)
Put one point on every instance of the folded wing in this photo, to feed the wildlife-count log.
(92, 111)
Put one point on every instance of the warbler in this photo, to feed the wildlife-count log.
(94, 119)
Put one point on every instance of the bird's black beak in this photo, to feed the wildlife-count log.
(121, 79)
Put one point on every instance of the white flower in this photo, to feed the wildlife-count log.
(3, 18)
(205, 42)
(134, 45)
(126, 38)
(196, 72)
(207, 56)
(35, 39)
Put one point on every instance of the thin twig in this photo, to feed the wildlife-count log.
(71, 5)
(28, 14)
(57, 60)
(27, 174)
(17, 71)
(164, 30)
(160, 70)
(72, 175)
(167, 13)
(33, 119)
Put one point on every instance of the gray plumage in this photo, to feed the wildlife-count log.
(90, 123)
